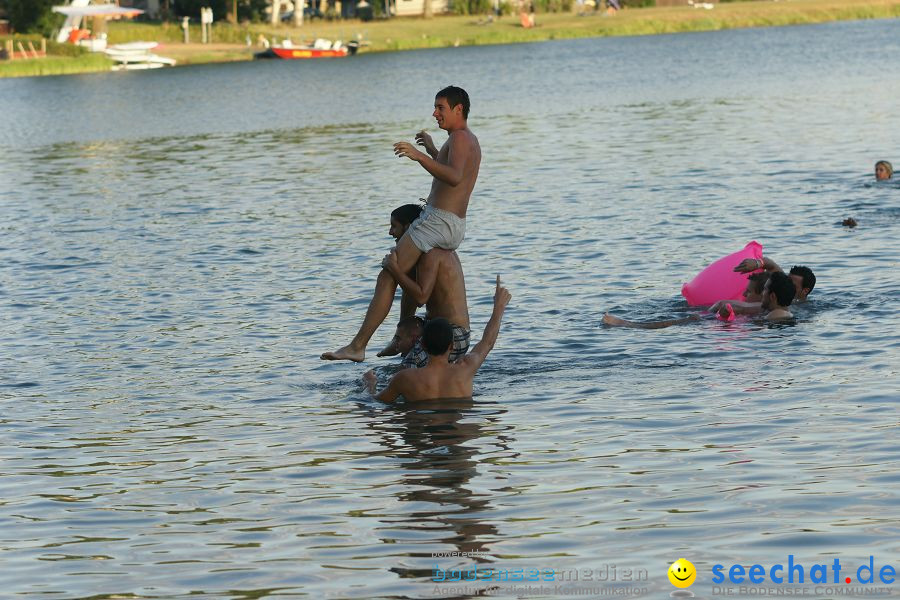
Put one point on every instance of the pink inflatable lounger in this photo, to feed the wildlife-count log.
(718, 281)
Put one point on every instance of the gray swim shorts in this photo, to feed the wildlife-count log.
(437, 228)
(418, 357)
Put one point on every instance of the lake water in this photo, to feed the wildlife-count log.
(180, 246)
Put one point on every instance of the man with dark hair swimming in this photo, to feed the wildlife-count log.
(440, 378)
(778, 294)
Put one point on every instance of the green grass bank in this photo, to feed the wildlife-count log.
(230, 41)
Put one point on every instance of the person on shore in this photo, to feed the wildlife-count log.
(440, 378)
(441, 286)
(883, 170)
(454, 169)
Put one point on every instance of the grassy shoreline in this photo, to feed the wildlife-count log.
(447, 31)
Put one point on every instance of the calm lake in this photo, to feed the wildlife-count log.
(179, 246)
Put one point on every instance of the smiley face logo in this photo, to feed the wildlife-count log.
(682, 573)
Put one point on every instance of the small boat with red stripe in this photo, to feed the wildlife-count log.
(318, 49)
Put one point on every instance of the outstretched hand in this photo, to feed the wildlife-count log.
(405, 149)
(501, 296)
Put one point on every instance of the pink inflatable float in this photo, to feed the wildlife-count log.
(718, 281)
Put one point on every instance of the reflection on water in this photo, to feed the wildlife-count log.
(171, 270)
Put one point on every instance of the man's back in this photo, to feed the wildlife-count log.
(437, 379)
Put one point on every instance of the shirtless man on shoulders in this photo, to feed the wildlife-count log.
(454, 169)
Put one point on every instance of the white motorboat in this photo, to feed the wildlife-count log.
(137, 56)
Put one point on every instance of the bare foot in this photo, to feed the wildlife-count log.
(613, 321)
(345, 353)
(390, 349)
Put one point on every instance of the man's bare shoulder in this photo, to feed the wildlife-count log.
(464, 136)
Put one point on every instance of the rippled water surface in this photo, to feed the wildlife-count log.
(180, 246)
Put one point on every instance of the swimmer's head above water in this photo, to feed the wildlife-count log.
(755, 284)
(883, 170)
(409, 329)
(804, 280)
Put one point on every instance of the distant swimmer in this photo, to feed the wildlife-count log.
(883, 170)
(440, 378)
(454, 169)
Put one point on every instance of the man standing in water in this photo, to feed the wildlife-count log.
(440, 378)
(441, 287)
(454, 169)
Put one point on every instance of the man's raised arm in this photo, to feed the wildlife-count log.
(477, 354)
(748, 265)
(451, 173)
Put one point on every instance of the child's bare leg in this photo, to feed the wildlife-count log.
(407, 256)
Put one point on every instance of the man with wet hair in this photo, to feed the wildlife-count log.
(409, 330)
(804, 280)
(778, 294)
(440, 378)
(755, 284)
(454, 170)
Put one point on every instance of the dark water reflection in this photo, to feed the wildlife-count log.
(171, 267)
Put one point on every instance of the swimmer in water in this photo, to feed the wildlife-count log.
(777, 295)
(883, 170)
(440, 378)
(803, 278)
(753, 293)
